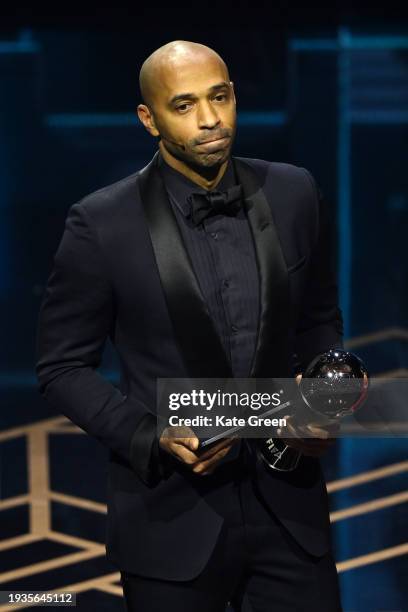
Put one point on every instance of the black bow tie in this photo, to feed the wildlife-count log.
(215, 202)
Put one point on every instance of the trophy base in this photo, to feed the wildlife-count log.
(277, 455)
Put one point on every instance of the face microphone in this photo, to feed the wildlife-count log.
(174, 143)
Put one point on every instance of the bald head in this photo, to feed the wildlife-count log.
(189, 105)
(169, 59)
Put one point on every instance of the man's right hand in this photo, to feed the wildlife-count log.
(182, 443)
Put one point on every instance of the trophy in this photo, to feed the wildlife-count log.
(333, 386)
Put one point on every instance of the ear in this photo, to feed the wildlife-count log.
(146, 117)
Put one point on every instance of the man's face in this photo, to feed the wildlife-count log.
(194, 112)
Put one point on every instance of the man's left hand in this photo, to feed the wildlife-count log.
(312, 446)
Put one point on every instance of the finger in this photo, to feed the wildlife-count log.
(289, 428)
(316, 432)
(309, 430)
(191, 443)
(299, 429)
(321, 432)
(224, 443)
(214, 459)
(203, 466)
(183, 454)
(189, 457)
(181, 435)
(209, 471)
(328, 427)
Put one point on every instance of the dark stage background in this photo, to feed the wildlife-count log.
(323, 88)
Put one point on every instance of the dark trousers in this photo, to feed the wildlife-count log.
(256, 566)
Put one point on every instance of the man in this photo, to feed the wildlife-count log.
(200, 265)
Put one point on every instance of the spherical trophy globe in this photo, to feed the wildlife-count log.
(333, 386)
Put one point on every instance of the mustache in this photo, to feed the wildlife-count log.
(213, 136)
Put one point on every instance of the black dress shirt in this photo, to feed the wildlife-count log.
(222, 254)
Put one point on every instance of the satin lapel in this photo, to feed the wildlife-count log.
(197, 337)
(270, 357)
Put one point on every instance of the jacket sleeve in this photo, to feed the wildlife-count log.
(320, 323)
(75, 319)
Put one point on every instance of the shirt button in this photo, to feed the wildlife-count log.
(214, 235)
(225, 283)
(234, 328)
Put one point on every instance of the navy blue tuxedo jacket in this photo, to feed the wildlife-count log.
(122, 271)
